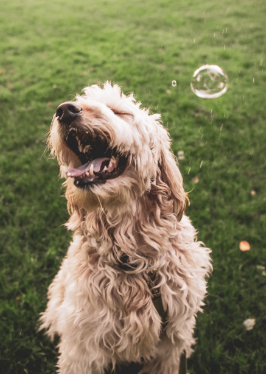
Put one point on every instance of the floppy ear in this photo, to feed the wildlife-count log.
(171, 176)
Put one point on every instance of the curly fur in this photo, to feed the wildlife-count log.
(105, 315)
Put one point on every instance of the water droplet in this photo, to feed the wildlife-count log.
(209, 82)
(174, 83)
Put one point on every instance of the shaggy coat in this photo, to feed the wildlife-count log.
(128, 222)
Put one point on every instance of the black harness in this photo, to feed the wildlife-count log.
(157, 302)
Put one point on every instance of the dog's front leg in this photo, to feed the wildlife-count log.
(76, 358)
(49, 319)
(167, 359)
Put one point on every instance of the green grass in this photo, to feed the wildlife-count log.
(49, 51)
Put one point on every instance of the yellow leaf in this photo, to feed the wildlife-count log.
(244, 246)
(253, 192)
(168, 91)
(195, 179)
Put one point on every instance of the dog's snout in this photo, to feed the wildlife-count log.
(67, 112)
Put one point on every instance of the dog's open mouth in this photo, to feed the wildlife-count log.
(99, 162)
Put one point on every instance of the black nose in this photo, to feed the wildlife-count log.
(67, 112)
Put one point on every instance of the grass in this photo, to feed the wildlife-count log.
(49, 51)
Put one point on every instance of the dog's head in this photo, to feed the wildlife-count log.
(112, 152)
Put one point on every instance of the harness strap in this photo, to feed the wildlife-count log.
(151, 280)
(158, 304)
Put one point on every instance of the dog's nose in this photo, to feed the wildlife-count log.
(67, 112)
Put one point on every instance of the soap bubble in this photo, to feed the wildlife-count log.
(209, 82)
(174, 83)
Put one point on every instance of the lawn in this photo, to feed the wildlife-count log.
(49, 51)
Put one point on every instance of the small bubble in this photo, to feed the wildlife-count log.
(180, 155)
(174, 83)
(209, 82)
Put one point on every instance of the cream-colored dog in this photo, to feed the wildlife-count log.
(131, 243)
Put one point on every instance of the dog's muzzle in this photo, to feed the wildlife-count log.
(68, 112)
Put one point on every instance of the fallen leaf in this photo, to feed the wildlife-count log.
(18, 298)
(248, 173)
(260, 267)
(195, 179)
(49, 103)
(10, 85)
(168, 91)
(249, 323)
(244, 246)
(0, 71)
(252, 192)
(180, 155)
(85, 73)
(55, 86)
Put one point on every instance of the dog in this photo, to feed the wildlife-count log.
(132, 243)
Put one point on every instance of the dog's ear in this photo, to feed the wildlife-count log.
(171, 176)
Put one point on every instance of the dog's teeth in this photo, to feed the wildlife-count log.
(86, 148)
(91, 169)
(87, 173)
(77, 139)
(77, 182)
(105, 168)
(112, 161)
(80, 148)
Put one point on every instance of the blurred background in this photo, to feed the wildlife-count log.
(51, 50)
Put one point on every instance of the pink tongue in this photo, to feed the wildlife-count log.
(98, 166)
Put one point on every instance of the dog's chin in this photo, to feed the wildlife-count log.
(115, 193)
